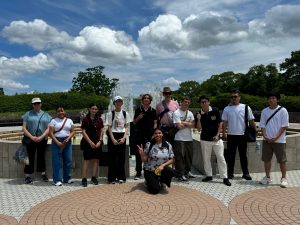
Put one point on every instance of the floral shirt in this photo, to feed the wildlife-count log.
(157, 156)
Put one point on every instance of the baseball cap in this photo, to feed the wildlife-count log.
(36, 100)
(118, 98)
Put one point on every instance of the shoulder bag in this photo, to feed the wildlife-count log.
(250, 132)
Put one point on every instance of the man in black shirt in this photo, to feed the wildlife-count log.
(210, 124)
(145, 122)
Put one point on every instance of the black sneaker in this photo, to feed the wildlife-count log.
(94, 181)
(247, 177)
(226, 182)
(44, 177)
(190, 175)
(206, 179)
(28, 180)
(84, 182)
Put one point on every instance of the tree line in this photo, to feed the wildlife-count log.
(255, 84)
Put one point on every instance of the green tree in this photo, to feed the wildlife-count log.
(94, 81)
(1, 91)
(291, 74)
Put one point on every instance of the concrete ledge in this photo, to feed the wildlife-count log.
(9, 168)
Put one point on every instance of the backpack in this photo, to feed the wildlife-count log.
(113, 117)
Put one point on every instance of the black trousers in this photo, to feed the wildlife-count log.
(234, 142)
(39, 148)
(116, 159)
(153, 181)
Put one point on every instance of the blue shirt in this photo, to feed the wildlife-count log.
(31, 118)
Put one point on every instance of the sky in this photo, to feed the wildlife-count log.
(146, 44)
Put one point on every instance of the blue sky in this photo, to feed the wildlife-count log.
(143, 43)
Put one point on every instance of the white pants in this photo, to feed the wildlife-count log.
(218, 148)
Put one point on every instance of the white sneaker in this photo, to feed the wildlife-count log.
(266, 180)
(58, 183)
(283, 183)
(163, 186)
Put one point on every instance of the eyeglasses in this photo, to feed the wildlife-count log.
(234, 96)
(167, 93)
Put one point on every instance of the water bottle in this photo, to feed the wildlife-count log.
(257, 147)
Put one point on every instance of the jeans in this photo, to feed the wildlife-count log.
(61, 161)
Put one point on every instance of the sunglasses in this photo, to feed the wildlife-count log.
(36, 103)
(167, 93)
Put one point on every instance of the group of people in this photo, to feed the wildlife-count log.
(163, 140)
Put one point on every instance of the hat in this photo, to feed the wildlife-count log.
(36, 100)
(167, 89)
(118, 98)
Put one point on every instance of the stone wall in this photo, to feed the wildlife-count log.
(9, 168)
(255, 164)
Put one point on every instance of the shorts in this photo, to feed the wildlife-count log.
(277, 148)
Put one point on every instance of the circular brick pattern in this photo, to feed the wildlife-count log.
(267, 206)
(129, 203)
(8, 220)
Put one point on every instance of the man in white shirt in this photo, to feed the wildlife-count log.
(183, 147)
(234, 119)
(274, 121)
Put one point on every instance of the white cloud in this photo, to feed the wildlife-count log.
(10, 84)
(17, 67)
(196, 31)
(102, 42)
(171, 81)
(37, 34)
(280, 21)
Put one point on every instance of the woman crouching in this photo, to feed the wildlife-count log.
(157, 157)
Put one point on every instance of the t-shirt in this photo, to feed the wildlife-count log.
(210, 123)
(167, 117)
(145, 124)
(57, 123)
(118, 125)
(32, 118)
(235, 117)
(279, 120)
(186, 133)
(157, 155)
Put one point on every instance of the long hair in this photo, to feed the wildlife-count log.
(97, 115)
(164, 142)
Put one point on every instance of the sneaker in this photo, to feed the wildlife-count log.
(183, 178)
(28, 180)
(121, 181)
(283, 183)
(44, 177)
(137, 177)
(266, 180)
(94, 181)
(58, 183)
(163, 186)
(226, 182)
(208, 178)
(247, 177)
(70, 181)
(84, 182)
(190, 175)
(111, 182)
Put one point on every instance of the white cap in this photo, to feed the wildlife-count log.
(118, 98)
(36, 100)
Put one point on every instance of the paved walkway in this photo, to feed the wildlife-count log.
(195, 202)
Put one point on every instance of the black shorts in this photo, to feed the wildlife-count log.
(90, 153)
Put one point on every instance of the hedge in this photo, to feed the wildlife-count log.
(22, 102)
